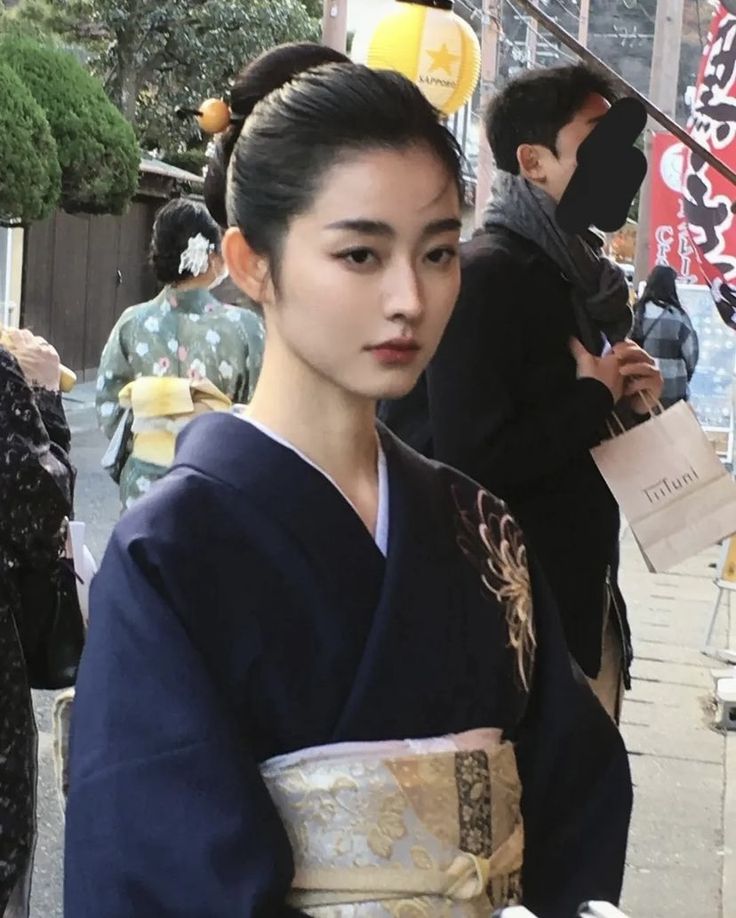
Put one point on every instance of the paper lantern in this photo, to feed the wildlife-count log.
(431, 45)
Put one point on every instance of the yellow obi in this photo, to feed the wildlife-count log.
(418, 828)
(162, 406)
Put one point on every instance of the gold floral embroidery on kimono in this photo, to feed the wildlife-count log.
(492, 541)
(419, 828)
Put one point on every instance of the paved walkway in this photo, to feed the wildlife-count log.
(682, 852)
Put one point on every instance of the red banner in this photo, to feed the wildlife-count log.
(669, 239)
(707, 195)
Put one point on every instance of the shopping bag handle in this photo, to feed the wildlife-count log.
(610, 428)
(655, 408)
(652, 404)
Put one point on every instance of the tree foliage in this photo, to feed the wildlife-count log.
(154, 55)
(31, 177)
(97, 149)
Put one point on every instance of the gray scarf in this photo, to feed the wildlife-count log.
(600, 292)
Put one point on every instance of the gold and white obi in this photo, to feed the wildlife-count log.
(162, 406)
(405, 829)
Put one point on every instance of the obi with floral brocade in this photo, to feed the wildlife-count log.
(414, 828)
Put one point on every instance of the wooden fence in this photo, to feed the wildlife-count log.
(80, 273)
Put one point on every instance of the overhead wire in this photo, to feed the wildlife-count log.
(545, 41)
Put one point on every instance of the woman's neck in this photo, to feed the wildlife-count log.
(192, 283)
(333, 428)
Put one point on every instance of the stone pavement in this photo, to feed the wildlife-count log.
(682, 851)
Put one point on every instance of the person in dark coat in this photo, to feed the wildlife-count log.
(35, 498)
(534, 359)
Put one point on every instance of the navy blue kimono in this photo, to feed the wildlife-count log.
(243, 611)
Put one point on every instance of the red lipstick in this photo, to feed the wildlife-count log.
(395, 352)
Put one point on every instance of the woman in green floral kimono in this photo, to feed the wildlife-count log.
(185, 333)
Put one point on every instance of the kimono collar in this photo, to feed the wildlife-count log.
(194, 300)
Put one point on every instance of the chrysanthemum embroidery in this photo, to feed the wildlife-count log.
(490, 538)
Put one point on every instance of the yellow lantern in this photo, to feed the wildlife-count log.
(431, 45)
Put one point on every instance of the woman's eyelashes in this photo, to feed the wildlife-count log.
(444, 255)
(363, 258)
(358, 257)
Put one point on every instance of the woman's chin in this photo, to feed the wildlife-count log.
(401, 385)
(384, 386)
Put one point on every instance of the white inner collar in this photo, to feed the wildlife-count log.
(382, 518)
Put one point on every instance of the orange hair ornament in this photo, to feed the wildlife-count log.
(213, 115)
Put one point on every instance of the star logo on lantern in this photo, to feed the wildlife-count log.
(443, 59)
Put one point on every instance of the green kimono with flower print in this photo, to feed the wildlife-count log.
(182, 334)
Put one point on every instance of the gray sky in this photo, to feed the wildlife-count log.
(363, 12)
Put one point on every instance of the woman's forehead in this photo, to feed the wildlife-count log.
(386, 186)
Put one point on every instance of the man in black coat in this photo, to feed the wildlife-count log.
(534, 359)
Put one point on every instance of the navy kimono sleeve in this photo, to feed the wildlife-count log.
(574, 769)
(167, 813)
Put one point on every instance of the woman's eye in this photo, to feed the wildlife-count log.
(441, 256)
(358, 257)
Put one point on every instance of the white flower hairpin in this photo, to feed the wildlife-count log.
(196, 257)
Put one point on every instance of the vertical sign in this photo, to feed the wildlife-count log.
(669, 239)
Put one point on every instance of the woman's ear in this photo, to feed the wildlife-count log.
(248, 270)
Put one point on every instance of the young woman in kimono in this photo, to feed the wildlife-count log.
(207, 354)
(322, 676)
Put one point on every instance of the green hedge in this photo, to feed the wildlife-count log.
(98, 151)
(193, 160)
(30, 177)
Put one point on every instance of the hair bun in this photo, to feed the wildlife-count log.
(258, 79)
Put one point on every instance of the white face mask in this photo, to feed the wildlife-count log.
(220, 279)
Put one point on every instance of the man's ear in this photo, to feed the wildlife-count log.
(530, 165)
(249, 271)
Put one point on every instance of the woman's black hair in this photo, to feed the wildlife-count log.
(272, 70)
(661, 289)
(299, 130)
(175, 224)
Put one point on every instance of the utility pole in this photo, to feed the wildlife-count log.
(663, 83)
(335, 24)
(489, 42)
(583, 22)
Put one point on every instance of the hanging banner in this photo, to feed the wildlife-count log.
(707, 196)
(669, 239)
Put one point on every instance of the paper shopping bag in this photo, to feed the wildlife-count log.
(670, 485)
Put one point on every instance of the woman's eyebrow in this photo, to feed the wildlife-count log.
(366, 227)
(379, 228)
(446, 225)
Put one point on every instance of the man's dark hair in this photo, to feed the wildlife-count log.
(535, 106)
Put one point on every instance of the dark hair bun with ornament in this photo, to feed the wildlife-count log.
(175, 224)
(267, 73)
